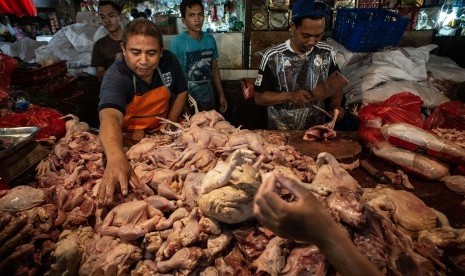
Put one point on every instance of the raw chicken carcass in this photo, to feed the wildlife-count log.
(273, 258)
(143, 146)
(402, 207)
(73, 126)
(205, 118)
(68, 251)
(221, 174)
(22, 198)
(131, 220)
(231, 203)
(186, 258)
(322, 132)
(106, 253)
(161, 203)
(307, 260)
(191, 188)
(345, 204)
(331, 175)
(245, 139)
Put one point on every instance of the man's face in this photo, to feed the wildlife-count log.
(309, 33)
(142, 55)
(194, 18)
(109, 18)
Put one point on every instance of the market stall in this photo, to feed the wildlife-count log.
(200, 181)
(394, 181)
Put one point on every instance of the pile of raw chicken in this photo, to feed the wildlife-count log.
(194, 216)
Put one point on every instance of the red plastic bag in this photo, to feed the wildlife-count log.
(47, 119)
(447, 115)
(401, 107)
(7, 66)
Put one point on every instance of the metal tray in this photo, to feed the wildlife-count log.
(14, 138)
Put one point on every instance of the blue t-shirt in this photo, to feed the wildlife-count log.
(196, 58)
(117, 89)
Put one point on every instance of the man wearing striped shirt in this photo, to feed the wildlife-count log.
(289, 72)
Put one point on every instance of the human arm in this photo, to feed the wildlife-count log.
(100, 72)
(297, 98)
(306, 219)
(176, 108)
(118, 169)
(178, 85)
(218, 86)
(98, 61)
(264, 94)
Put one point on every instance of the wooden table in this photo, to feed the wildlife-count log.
(434, 193)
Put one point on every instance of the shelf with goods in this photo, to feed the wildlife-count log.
(220, 15)
(451, 21)
(423, 14)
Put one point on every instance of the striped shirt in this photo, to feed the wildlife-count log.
(284, 70)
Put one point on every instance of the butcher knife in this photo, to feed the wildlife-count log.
(329, 86)
(375, 173)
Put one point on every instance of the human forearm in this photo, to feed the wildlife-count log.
(344, 256)
(100, 72)
(110, 134)
(272, 98)
(177, 107)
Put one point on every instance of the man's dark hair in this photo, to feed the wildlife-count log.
(142, 26)
(298, 22)
(115, 6)
(318, 6)
(189, 4)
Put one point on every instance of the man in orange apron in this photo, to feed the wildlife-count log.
(146, 83)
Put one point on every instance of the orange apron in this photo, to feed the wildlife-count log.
(143, 110)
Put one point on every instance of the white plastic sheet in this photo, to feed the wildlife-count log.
(444, 68)
(24, 48)
(386, 73)
(430, 95)
(74, 43)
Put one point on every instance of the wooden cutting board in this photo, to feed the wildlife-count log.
(345, 147)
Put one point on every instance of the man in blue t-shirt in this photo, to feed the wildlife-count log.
(198, 55)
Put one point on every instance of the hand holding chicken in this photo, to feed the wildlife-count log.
(307, 220)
